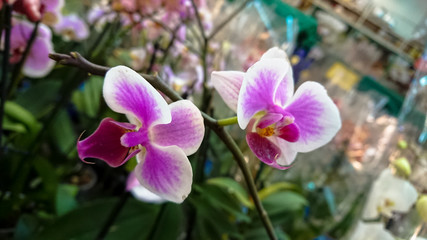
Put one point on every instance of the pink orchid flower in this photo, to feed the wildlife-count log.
(279, 123)
(160, 135)
(47, 11)
(72, 28)
(37, 64)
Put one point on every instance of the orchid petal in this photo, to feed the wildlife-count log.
(228, 84)
(268, 119)
(104, 144)
(287, 156)
(315, 114)
(289, 132)
(127, 92)
(186, 129)
(31, 8)
(166, 172)
(275, 52)
(38, 64)
(72, 28)
(266, 150)
(140, 192)
(266, 85)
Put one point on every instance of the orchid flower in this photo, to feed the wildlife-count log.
(278, 123)
(370, 231)
(48, 11)
(160, 136)
(37, 64)
(389, 193)
(140, 192)
(71, 27)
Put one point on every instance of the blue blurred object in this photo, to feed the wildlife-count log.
(323, 237)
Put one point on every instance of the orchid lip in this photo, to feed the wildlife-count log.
(135, 138)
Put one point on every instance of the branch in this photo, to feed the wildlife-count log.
(199, 20)
(76, 60)
(5, 65)
(228, 19)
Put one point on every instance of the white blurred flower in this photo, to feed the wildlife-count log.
(389, 193)
(370, 231)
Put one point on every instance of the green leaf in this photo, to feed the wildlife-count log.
(88, 99)
(40, 97)
(47, 173)
(26, 227)
(16, 112)
(280, 202)
(276, 187)
(232, 187)
(134, 221)
(222, 200)
(12, 126)
(260, 234)
(65, 198)
(169, 226)
(61, 132)
(211, 222)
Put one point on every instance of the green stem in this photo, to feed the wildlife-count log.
(113, 215)
(199, 20)
(156, 222)
(5, 66)
(238, 155)
(227, 121)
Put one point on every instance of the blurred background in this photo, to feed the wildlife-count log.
(368, 54)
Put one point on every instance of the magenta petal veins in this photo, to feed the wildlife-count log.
(127, 92)
(166, 172)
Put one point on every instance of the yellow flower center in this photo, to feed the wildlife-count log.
(265, 132)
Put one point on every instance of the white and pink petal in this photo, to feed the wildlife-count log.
(315, 114)
(140, 192)
(38, 64)
(166, 172)
(228, 84)
(127, 92)
(186, 130)
(266, 86)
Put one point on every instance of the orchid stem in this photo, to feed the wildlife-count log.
(227, 121)
(238, 155)
(199, 20)
(156, 222)
(5, 66)
(113, 215)
(78, 61)
(228, 19)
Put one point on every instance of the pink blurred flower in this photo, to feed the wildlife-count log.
(37, 64)
(72, 27)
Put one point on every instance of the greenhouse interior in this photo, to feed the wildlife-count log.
(213, 119)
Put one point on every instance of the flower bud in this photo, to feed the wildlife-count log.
(402, 166)
(421, 206)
